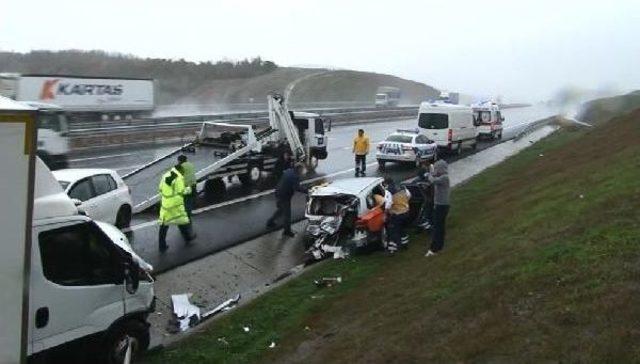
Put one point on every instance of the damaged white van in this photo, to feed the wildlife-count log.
(90, 293)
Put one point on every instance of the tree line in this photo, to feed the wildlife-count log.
(175, 78)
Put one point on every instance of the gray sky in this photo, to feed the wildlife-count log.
(523, 50)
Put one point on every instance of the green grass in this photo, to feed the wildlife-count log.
(531, 272)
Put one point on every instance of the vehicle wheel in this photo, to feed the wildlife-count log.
(115, 344)
(499, 137)
(252, 177)
(418, 162)
(474, 146)
(435, 156)
(312, 163)
(381, 165)
(459, 149)
(123, 217)
(214, 189)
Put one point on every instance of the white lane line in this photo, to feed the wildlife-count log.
(242, 199)
(101, 157)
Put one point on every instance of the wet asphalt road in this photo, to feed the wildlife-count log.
(242, 214)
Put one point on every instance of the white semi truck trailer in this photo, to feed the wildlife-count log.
(83, 98)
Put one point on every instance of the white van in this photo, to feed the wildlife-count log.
(450, 126)
(89, 291)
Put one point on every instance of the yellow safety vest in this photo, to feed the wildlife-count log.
(172, 210)
(400, 203)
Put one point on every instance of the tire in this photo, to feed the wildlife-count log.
(381, 165)
(252, 177)
(474, 146)
(214, 189)
(115, 341)
(418, 162)
(459, 149)
(123, 217)
(435, 156)
(499, 137)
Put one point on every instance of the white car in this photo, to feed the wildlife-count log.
(99, 193)
(406, 146)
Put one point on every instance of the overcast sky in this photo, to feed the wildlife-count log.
(523, 50)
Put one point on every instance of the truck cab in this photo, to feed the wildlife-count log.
(90, 293)
(53, 134)
(312, 133)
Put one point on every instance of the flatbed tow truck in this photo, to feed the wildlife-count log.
(223, 150)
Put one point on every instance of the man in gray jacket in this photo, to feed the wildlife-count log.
(439, 178)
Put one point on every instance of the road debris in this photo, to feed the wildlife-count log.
(272, 345)
(223, 341)
(327, 281)
(187, 315)
(540, 155)
(246, 329)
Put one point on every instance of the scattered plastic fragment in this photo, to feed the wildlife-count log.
(223, 341)
(307, 328)
(540, 155)
(273, 345)
(581, 196)
(327, 281)
(246, 329)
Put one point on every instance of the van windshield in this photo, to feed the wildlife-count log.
(381, 97)
(433, 121)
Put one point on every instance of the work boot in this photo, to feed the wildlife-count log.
(271, 224)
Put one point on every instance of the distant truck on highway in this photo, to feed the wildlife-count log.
(455, 98)
(82, 97)
(387, 96)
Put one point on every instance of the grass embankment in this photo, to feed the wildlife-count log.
(542, 263)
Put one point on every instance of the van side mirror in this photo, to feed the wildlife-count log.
(131, 277)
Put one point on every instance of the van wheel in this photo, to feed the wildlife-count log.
(133, 331)
(252, 177)
(474, 146)
(499, 136)
(214, 189)
(381, 165)
(459, 149)
(123, 217)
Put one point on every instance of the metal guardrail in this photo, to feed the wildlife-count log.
(182, 129)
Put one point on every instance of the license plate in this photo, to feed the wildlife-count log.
(392, 150)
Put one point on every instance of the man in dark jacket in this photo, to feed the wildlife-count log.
(439, 178)
(288, 184)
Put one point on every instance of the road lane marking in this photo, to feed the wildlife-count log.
(245, 198)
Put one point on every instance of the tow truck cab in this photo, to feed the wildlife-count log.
(311, 131)
(89, 290)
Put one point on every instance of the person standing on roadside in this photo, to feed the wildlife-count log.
(189, 173)
(439, 178)
(361, 149)
(288, 184)
(172, 210)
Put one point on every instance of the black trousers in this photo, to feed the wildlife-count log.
(439, 221)
(283, 209)
(396, 227)
(361, 163)
(185, 231)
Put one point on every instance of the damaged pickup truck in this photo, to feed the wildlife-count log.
(344, 216)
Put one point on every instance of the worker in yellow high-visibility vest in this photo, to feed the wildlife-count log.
(172, 210)
(361, 149)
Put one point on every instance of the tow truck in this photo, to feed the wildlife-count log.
(224, 150)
